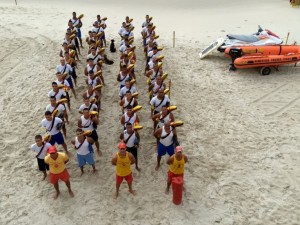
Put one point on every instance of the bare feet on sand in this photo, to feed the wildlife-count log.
(71, 193)
(167, 191)
(133, 192)
(157, 167)
(56, 195)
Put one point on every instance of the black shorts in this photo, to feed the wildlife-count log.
(42, 165)
(94, 135)
(73, 74)
(133, 151)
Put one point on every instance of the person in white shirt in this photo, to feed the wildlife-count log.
(122, 30)
(132, 140)
(87, 104)
(128, 100)
(123, 75)
(40, 148)
(103, 25)
(127, 32)
(129, 117)
(62, 112)
(158, 102)
(76, 22)
(93, 55)
(57, 92)
(83, 146)
(62, 68)
(167, 140)
(127, 87)
(90, 122)
(53, 126)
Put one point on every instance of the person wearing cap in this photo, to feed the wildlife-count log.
(176, 166)
(58, 171)
(40, 148)
(123, 161)
(167, 136)
(85, 154)
(53, 126)
(132, 140)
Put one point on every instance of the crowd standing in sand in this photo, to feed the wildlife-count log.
(86, 137)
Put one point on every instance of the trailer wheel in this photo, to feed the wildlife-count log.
(265, 71)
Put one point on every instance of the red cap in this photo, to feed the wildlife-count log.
(52, 150)
(122, 145)
(178, 149)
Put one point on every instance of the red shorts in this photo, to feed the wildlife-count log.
(128, 178)
(171, 175)
(64, 176)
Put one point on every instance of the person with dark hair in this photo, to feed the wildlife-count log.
(82, 144)
(88, 104)
(58, 93)
(129, 117)
(58, 171)
(72, 62)
(76, 22)
(101, 23)
(123, 75)
(127, 101)
(62, 112)
(65, 68)
(90, 122)
(127, 87)
(158, 101)
(167, 140)
(132, 140)
(155, 86)
(40, 148)
(53, 125)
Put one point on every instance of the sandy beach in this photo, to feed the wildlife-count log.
(241, 130)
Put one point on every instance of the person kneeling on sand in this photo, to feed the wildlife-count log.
(176, 166)
(56, 161)
(85, 154)
(40, 148)
(123, 161)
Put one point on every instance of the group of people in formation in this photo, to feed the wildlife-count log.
(86, 140)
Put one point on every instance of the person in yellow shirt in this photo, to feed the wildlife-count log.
(176, 166)
(56, 161)
(123, 161)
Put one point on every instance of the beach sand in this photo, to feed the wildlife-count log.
(241, 130)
